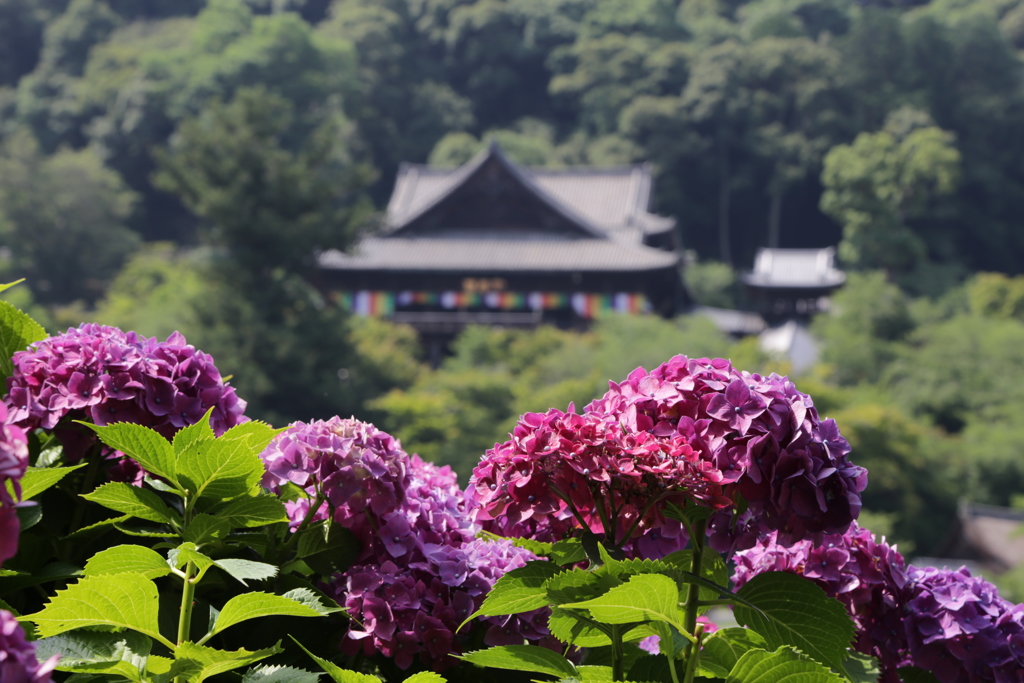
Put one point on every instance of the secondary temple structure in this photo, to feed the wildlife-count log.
(496, 243)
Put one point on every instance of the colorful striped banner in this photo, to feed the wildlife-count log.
(586, 305)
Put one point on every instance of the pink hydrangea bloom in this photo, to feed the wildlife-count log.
(101, 374)
(18, 663)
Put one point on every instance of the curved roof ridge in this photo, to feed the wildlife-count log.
(494, 151)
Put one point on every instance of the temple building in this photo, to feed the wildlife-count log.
(496, 243)
(792, 284)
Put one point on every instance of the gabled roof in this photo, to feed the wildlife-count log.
(602, 202)
(794, 269)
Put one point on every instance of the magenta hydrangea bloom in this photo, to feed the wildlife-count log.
(697, 428)
(763, 438)
(104, 375)
(18, 663)
(559, 467)
(13, 462)
(421, 570)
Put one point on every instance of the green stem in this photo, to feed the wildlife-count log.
(693, 590)
(618, 657)
(691, 659)
(187, 598)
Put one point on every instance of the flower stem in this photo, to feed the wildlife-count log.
(618, 657)
(313, 509)
(187, 598)
(691, 659)
(693, 590)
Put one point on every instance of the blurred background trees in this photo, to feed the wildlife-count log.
(174, 164)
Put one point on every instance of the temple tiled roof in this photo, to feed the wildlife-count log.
(795, 268)
(496, 255)
(611, 202)
(600, 213)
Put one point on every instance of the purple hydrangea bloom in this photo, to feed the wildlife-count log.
(18, 663)
(13, 462)
(947, 622)
(959, 628)
(104, 375)
(421, 570)
(868, 577)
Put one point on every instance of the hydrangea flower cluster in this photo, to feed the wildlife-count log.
(421, 571)
(868, 577)
(18, 663)
(590, 468)
(947, 622)
(695, 426)
(104, 375)
(13, 461)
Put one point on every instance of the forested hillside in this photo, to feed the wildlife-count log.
(174, 164)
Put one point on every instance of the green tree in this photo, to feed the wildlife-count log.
(64, 219)
(877, 185)
(270, 187)
(862, 332)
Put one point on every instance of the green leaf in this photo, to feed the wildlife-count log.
(645, 597)
(253, 512)
(426, 677)
(118, 600)
(185, 553)
(222, 469)
(595, 674)
(11, 580)
(785, 665)
(134, 501)
(205, 528)
(246, 570)
(279, 674)
(575, 585)
(310, 599)
(142, 444)
(258, 434)
(794, 611)
(7, 285)
(533, 658)
(723, 648)
(568, 551)
(17, 331)
(122, 653)
(29, 515)
(38, 479)
(200, 431)
(570, 628)
(196, 663)
(520, 590)
(861, 668)
(253, 605)
(128, 559)
(337, 674)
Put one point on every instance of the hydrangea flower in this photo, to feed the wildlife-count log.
(947, 622)
(868, 577)
(18, 663)
(13, 461)
(697, 427)
(959, 628)
(421, 570)
(104, 375)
